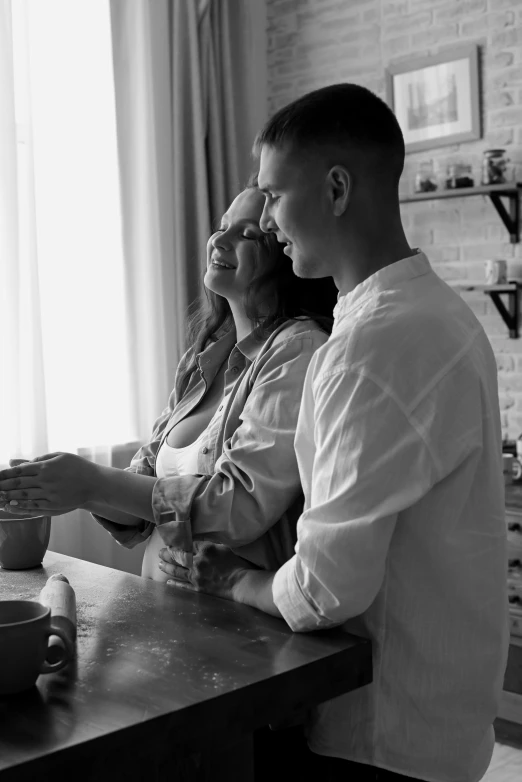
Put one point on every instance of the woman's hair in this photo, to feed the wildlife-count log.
(291, 297)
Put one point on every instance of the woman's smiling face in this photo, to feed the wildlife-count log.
(234, 256)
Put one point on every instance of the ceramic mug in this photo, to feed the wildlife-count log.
(25, 627)
(496, 272)
(23, 542)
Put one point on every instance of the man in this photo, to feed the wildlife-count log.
(402, 538)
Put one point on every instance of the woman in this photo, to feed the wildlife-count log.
(220, 463)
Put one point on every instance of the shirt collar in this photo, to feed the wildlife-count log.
(218, 350)
(388, 277)
(250, 346)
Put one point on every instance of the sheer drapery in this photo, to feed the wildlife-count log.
(65, 376)
(65, 352)
(167, 95)
(190, 96)
(233, 50)
(20, 318)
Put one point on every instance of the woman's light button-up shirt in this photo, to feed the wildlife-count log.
(246, 493)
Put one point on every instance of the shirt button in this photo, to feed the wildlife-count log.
(235, 370)
(221, 408)
(204, 449)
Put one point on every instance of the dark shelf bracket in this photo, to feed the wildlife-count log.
(510, 219)
(510, 317)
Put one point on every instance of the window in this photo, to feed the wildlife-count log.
(71, 280)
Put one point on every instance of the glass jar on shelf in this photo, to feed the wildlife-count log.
(494, 165)
(425, 179)
(459, 175)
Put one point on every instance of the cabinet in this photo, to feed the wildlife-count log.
(514, 533)
(511, 707)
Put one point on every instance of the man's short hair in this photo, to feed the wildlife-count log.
(341, 115)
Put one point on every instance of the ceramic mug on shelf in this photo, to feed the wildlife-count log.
(496, 272)
(25, 627)
(23, 542)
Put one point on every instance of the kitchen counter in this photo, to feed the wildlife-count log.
(166, 683)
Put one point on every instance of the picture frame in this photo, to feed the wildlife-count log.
(436, 99)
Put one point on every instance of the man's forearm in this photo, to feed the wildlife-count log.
(255, 589)
(124, 491)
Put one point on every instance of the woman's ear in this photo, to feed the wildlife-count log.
(339, 184)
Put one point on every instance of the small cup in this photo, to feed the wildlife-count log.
(23, 542)
(496, 272)
(25, 627)
(507, 460)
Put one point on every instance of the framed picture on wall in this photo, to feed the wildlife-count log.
(436, 99)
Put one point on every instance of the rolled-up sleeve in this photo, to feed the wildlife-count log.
(256, 478)
(371, 462)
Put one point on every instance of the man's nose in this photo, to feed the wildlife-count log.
(266, 222)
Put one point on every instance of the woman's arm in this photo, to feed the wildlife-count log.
(124, 493)
(123, 524)
(119, 496)
(112, 514)
(256, 478)
(99, 508)
(255, 481)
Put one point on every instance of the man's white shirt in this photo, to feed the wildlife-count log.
(403, 537)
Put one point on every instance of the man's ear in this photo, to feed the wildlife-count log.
(340, 184)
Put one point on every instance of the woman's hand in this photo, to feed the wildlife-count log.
(52, 484)
(215, 570)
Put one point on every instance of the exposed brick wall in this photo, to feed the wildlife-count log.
(312, 43)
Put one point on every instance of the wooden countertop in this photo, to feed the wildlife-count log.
(161, 674)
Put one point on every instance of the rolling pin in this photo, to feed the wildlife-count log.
(58, 595)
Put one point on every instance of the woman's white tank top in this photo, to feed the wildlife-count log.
(184, 461)
(178, 461)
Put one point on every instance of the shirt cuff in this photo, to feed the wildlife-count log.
(126, 536)
(288, 596)
(171, 506)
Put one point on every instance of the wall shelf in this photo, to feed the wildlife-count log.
(510, 216)
(509, 314)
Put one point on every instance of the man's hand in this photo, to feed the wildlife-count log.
(52, 484)
(215, 570)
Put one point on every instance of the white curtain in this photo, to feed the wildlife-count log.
(63, 311)
(191, 86)
(20, 316)
(125, 131)
(64, 347)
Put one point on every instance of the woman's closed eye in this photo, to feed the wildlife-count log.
(250, 235)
